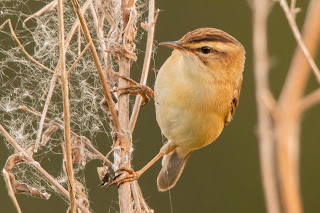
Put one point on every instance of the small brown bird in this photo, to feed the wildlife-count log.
(196, 94)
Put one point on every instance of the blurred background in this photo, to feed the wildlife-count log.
(225, 176)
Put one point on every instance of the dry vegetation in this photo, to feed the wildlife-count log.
(67, 91)
(279, 120)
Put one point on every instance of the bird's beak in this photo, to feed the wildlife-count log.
(175, 45)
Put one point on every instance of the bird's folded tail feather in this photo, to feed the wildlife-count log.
(172, 167)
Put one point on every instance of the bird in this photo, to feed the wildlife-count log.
(196, 94)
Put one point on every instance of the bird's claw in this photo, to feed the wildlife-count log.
(125, 175)
(136, 89)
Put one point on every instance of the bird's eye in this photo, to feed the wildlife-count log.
(205, 49)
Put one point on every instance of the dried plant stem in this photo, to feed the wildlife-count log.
(85, 139)
(98, 66)
(38, 167)
(125, 199)
(78, 59)
(288, 123)
(45, 110)
(46, 8)
(66, 110)
(297, 35)
(261, 71)
(54, 78)
(10, 190)
(135, 193)
(309, 100)
(146, 63)
(99, 33)
(8, 21)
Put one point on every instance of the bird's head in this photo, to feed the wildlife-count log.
(211, 48)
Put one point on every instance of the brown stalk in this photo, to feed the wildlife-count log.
(84, 139)
(287, 125)
(79, 40)
(66, 112)
(38, 167)
(298, 37)
(146, 62)
(99, 33)
(17, 186)
(7, 177)
(46, 8)
(98, 66)
(261, 9)
(309, 100)
(54, 78)
(123, 152)
(78, 59)
(45, 110)
(8, 21)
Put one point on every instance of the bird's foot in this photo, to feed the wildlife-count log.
(125, 175)
(136, 89)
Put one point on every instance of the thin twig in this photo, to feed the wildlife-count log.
(45, 110)
(11, 191)
(38, 167)
(52, 5)
(8, 21)
(99, 33)
(54, 78)
(146, 63)
(84, 139)
(78, 59)
(299, 39)
(136, 198)
(261, 9)
(287, 125)
(79, 40)
(108, 97)
(309, 100)
(106, 15)
(66, 112)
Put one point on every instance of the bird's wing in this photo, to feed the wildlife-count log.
(234, 103)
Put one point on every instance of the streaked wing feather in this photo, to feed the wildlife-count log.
(234, 103)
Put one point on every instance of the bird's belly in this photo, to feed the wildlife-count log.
(189, 126)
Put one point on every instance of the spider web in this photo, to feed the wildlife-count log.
(24, 83)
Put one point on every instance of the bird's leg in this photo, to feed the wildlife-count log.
(136, 89)
(131, 176)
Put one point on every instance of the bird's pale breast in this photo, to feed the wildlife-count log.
(190, 109)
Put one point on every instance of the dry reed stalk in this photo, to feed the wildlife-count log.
(287, 111)
(287, 124)
(119, 123)
(146, 63)
(130, 196)
(84, 139)
(38, 167)
(106, 91)
(54, 78)
(66, 110)
(8, 21)
(260, 9)
(293, 25)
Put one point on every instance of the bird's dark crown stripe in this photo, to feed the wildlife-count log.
(211, 38)
(208, 34)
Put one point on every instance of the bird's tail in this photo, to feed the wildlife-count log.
(172, 167)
